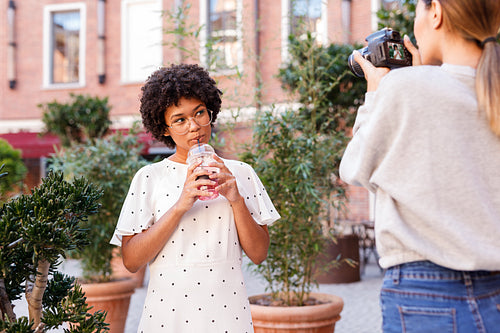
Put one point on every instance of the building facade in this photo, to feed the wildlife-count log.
(109, 47)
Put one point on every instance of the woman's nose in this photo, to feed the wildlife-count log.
(193, 122)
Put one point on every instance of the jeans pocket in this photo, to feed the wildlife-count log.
(442, 320)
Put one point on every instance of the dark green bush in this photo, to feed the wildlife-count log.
(318, 76)
(400, 18)
(81, 119)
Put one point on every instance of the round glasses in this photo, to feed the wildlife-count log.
(181, 125)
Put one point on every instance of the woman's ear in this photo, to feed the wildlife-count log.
(437, 14)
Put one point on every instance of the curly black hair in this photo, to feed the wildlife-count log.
(166, 86)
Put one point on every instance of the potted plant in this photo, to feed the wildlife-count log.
(289, 158)
(296, 153)
(109, 160)
(37, 230)
(318, 76)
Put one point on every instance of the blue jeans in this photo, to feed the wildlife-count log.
(426, 298)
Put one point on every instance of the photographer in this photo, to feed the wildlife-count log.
(427, 143)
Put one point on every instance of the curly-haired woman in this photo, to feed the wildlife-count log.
(194, 247)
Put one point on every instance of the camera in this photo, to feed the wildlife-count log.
(385, 49)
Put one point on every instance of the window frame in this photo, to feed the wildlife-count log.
(204, 37)
(125, 75)
(286, 27)
(48, 44)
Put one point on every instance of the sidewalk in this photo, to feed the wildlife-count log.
(361, 313)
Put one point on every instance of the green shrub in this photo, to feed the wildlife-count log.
(400, 18)
(318, 76)
(81, 119)
(110, 163)
(15, 169)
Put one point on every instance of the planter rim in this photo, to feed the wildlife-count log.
(123, 285)
(300, 313)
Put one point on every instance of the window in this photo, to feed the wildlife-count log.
(306, 16)
(299, 16)
(142, 37)
(64, 45)
(222, 39)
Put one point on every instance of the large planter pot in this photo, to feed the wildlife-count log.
(119, 270)
(298, 319)
(347, 246)
(113, 297)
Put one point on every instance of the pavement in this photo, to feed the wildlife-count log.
(361, 313)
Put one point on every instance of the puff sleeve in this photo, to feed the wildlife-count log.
(256, 197)
(137, 212)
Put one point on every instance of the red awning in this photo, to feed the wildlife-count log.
(32, 144)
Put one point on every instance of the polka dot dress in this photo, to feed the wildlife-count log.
(196, 283)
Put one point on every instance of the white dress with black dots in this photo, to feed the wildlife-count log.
(196, 283)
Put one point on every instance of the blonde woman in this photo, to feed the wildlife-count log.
(426, 142)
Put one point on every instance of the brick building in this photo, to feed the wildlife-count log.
(107, 48)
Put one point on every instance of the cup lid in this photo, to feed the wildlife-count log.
(199, 150)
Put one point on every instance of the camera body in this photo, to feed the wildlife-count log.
(385, 49)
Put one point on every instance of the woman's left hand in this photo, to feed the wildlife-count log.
(227, 182)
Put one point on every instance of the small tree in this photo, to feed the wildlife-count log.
(38, 229)
(329, 94)
(81, 119)
(296, 154)
(14, 166)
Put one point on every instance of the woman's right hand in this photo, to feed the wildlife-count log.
(415, 53)
(190, 192)
(373, 74)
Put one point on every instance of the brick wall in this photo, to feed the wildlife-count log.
(21, 103)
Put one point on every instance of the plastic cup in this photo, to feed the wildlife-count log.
(204, 153)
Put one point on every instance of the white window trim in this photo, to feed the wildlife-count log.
(204, 37)
(285, 29)
(47, 42)
(124, 76)
(375, 5)
(286, 12)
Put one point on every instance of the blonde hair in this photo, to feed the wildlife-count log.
(477, 20)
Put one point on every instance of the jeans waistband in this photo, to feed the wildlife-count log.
(429, 269)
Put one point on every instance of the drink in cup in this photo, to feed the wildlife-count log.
(204, 153)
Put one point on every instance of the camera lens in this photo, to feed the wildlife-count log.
(355, 67)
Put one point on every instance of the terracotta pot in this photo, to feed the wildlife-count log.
(347, 246)
(119, 270)
(298, 319)
(113, 297)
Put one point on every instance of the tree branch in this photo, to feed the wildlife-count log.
(35, 296)
(6, 305)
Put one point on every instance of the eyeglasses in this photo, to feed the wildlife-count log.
(181, 125)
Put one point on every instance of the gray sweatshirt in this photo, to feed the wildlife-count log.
(423, 147)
